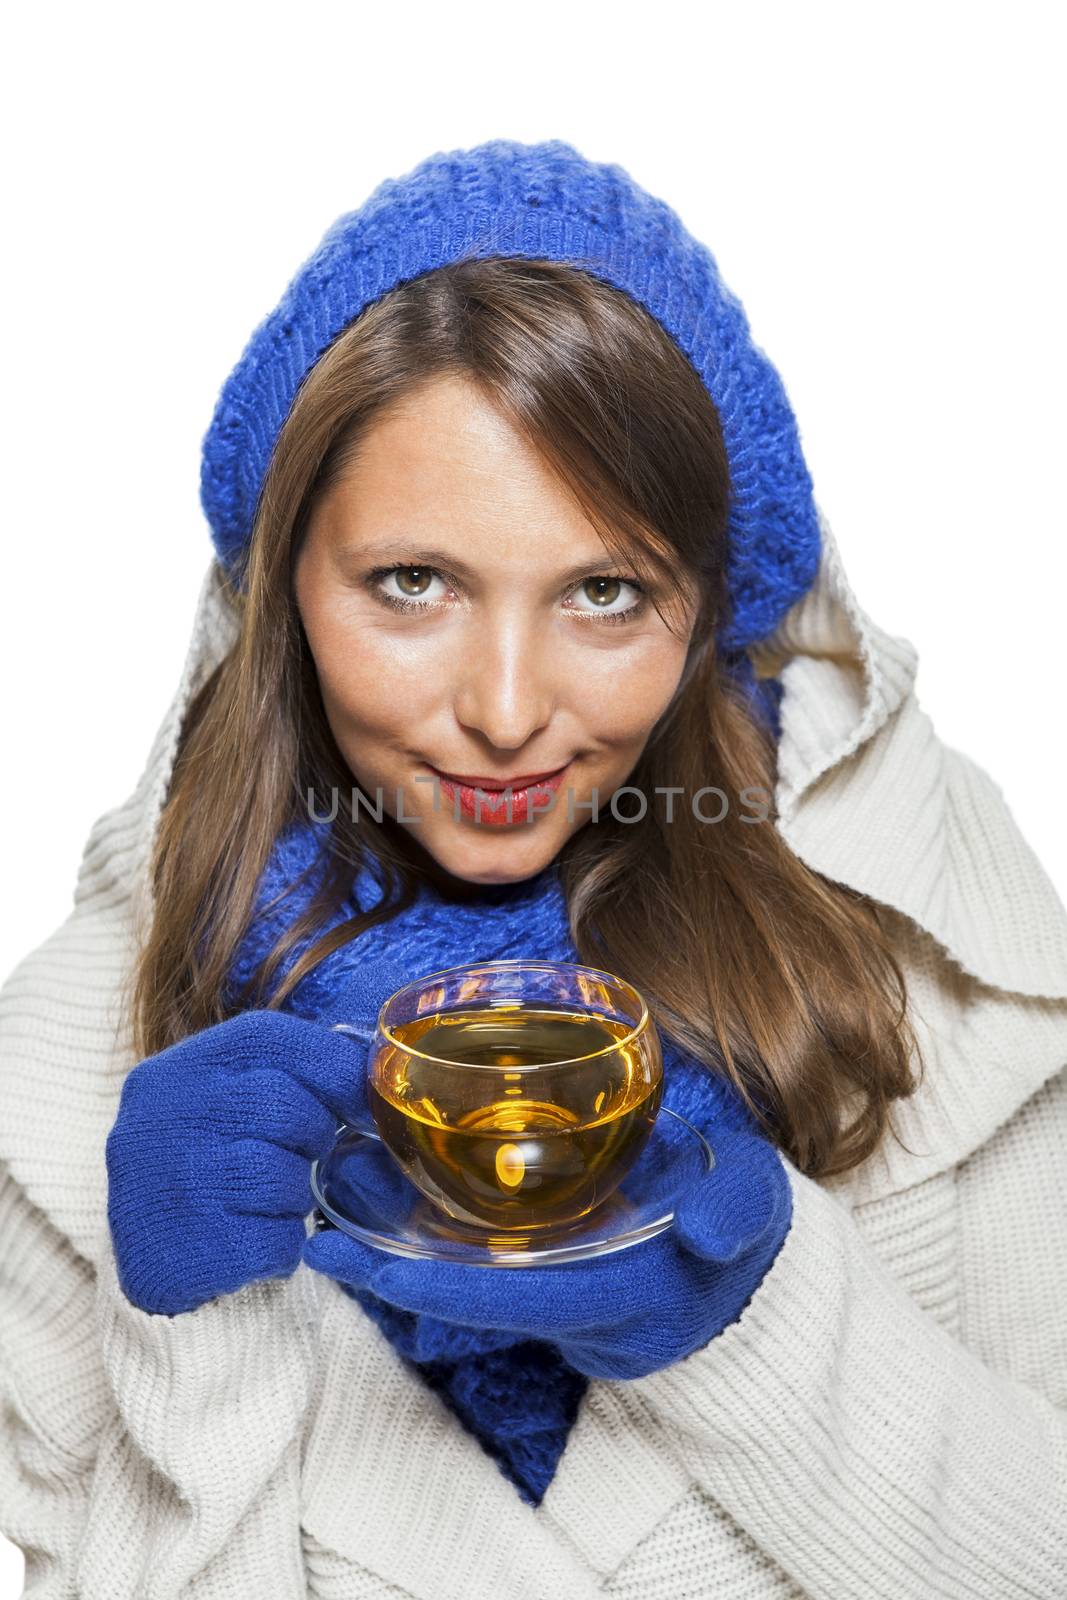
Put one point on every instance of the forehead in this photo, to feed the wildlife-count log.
(442, 462)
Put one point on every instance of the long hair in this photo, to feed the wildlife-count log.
(758, 966)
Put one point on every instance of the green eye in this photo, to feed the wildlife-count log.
(605, 591)
(411, 580)
(608, 589)
(422, 576)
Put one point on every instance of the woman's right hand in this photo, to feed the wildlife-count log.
(209, 1158)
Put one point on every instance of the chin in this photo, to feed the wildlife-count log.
(507, 860)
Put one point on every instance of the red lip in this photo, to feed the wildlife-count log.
(506, 803)
(520, 780)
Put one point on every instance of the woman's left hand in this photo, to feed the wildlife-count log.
(631, 1312)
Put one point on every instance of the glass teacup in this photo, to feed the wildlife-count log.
(515, 1094)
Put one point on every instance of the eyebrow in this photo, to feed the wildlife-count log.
(420, 555)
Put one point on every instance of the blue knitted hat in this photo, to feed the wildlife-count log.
(505, 198)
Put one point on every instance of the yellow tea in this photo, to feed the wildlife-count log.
(501, 1148)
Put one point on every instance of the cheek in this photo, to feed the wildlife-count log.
(623, 693)
(370, 687)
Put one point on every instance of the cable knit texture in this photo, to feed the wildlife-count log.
(505, 198)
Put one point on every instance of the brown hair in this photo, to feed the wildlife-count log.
(756, 965)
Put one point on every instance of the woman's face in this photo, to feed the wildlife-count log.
(465, 619)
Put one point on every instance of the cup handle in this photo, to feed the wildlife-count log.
(367, 1036)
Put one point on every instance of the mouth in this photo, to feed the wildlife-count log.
(498, 802)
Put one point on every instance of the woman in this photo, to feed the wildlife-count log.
(503, 487)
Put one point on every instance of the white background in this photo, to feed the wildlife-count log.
(879, 187)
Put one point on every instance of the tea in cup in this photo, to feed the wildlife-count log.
(515, 1094)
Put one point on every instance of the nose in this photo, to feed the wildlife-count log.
(505, 685)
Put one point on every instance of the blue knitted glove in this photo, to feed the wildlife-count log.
(209, 1158)
(636, 1310)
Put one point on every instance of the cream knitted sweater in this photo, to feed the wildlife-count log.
(888, 1418)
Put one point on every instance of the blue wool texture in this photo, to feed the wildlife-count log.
(209, 1175)
(507, 198)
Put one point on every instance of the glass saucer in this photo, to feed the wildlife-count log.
(360, 1188)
